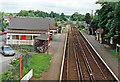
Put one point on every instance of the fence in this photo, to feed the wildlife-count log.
(13, 73)
(24, 61)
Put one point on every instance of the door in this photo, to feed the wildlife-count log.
(23, 37)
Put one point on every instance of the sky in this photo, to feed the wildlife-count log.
(59, 6)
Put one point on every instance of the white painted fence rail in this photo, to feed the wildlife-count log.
(20, 42)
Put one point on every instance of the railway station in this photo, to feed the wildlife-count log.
(86, 63)
(59, 40)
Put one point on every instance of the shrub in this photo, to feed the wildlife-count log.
(80, 26)
(113, 52)
(15, 62)
(22, 50)
(37, 75)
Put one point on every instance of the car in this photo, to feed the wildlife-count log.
(7, 50)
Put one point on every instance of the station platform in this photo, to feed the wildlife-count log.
(103, 51)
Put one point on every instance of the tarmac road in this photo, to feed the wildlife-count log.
(5, 60)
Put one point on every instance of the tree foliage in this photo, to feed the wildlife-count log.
(87, 18)
(108, 17)
(32, 13)
(77, 17)
(94, 23)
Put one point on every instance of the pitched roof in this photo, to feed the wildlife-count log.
(30, 23)
(26, 31)
(50, 21)
(42, 37)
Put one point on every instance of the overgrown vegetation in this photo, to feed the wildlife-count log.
(22, 48)
(77, 17)
(85, 31)
(108, 17)
(10, 74)
(15, 62)
(38, 63)
(81, 27)
(3, 24)
(113, 52)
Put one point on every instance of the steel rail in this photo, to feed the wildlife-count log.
(68, 57)
(78, 61)
(86, 61)
(101, 59)
(93, 57)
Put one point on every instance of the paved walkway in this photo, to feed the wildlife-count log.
(103, 51)
(56, 50)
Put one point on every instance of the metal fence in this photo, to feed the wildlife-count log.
(24, 61)
(12, 74)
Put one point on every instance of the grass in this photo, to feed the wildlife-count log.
(24, 48)
(85, 31)
(113, 52)
(38, 63)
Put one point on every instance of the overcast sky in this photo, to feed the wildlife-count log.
(66, 6)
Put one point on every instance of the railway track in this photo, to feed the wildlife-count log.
(70, 70)
(81, 62)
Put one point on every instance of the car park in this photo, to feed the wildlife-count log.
(7, 50)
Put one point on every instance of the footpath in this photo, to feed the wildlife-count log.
(103, 51)
(56, 50)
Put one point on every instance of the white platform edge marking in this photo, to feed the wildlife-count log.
(63, 60)
(101, 59)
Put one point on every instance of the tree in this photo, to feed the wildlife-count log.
(109, 16)
(2, 23)
(23, 13)
(63, 17)
(31, 14)
(94, 23)
(77, 17)
(87, 18)
(11, 14)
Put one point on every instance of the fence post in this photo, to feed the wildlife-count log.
(20, 68)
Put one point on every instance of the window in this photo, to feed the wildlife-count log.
(17, 37)
(13, 36)
(28, 37)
